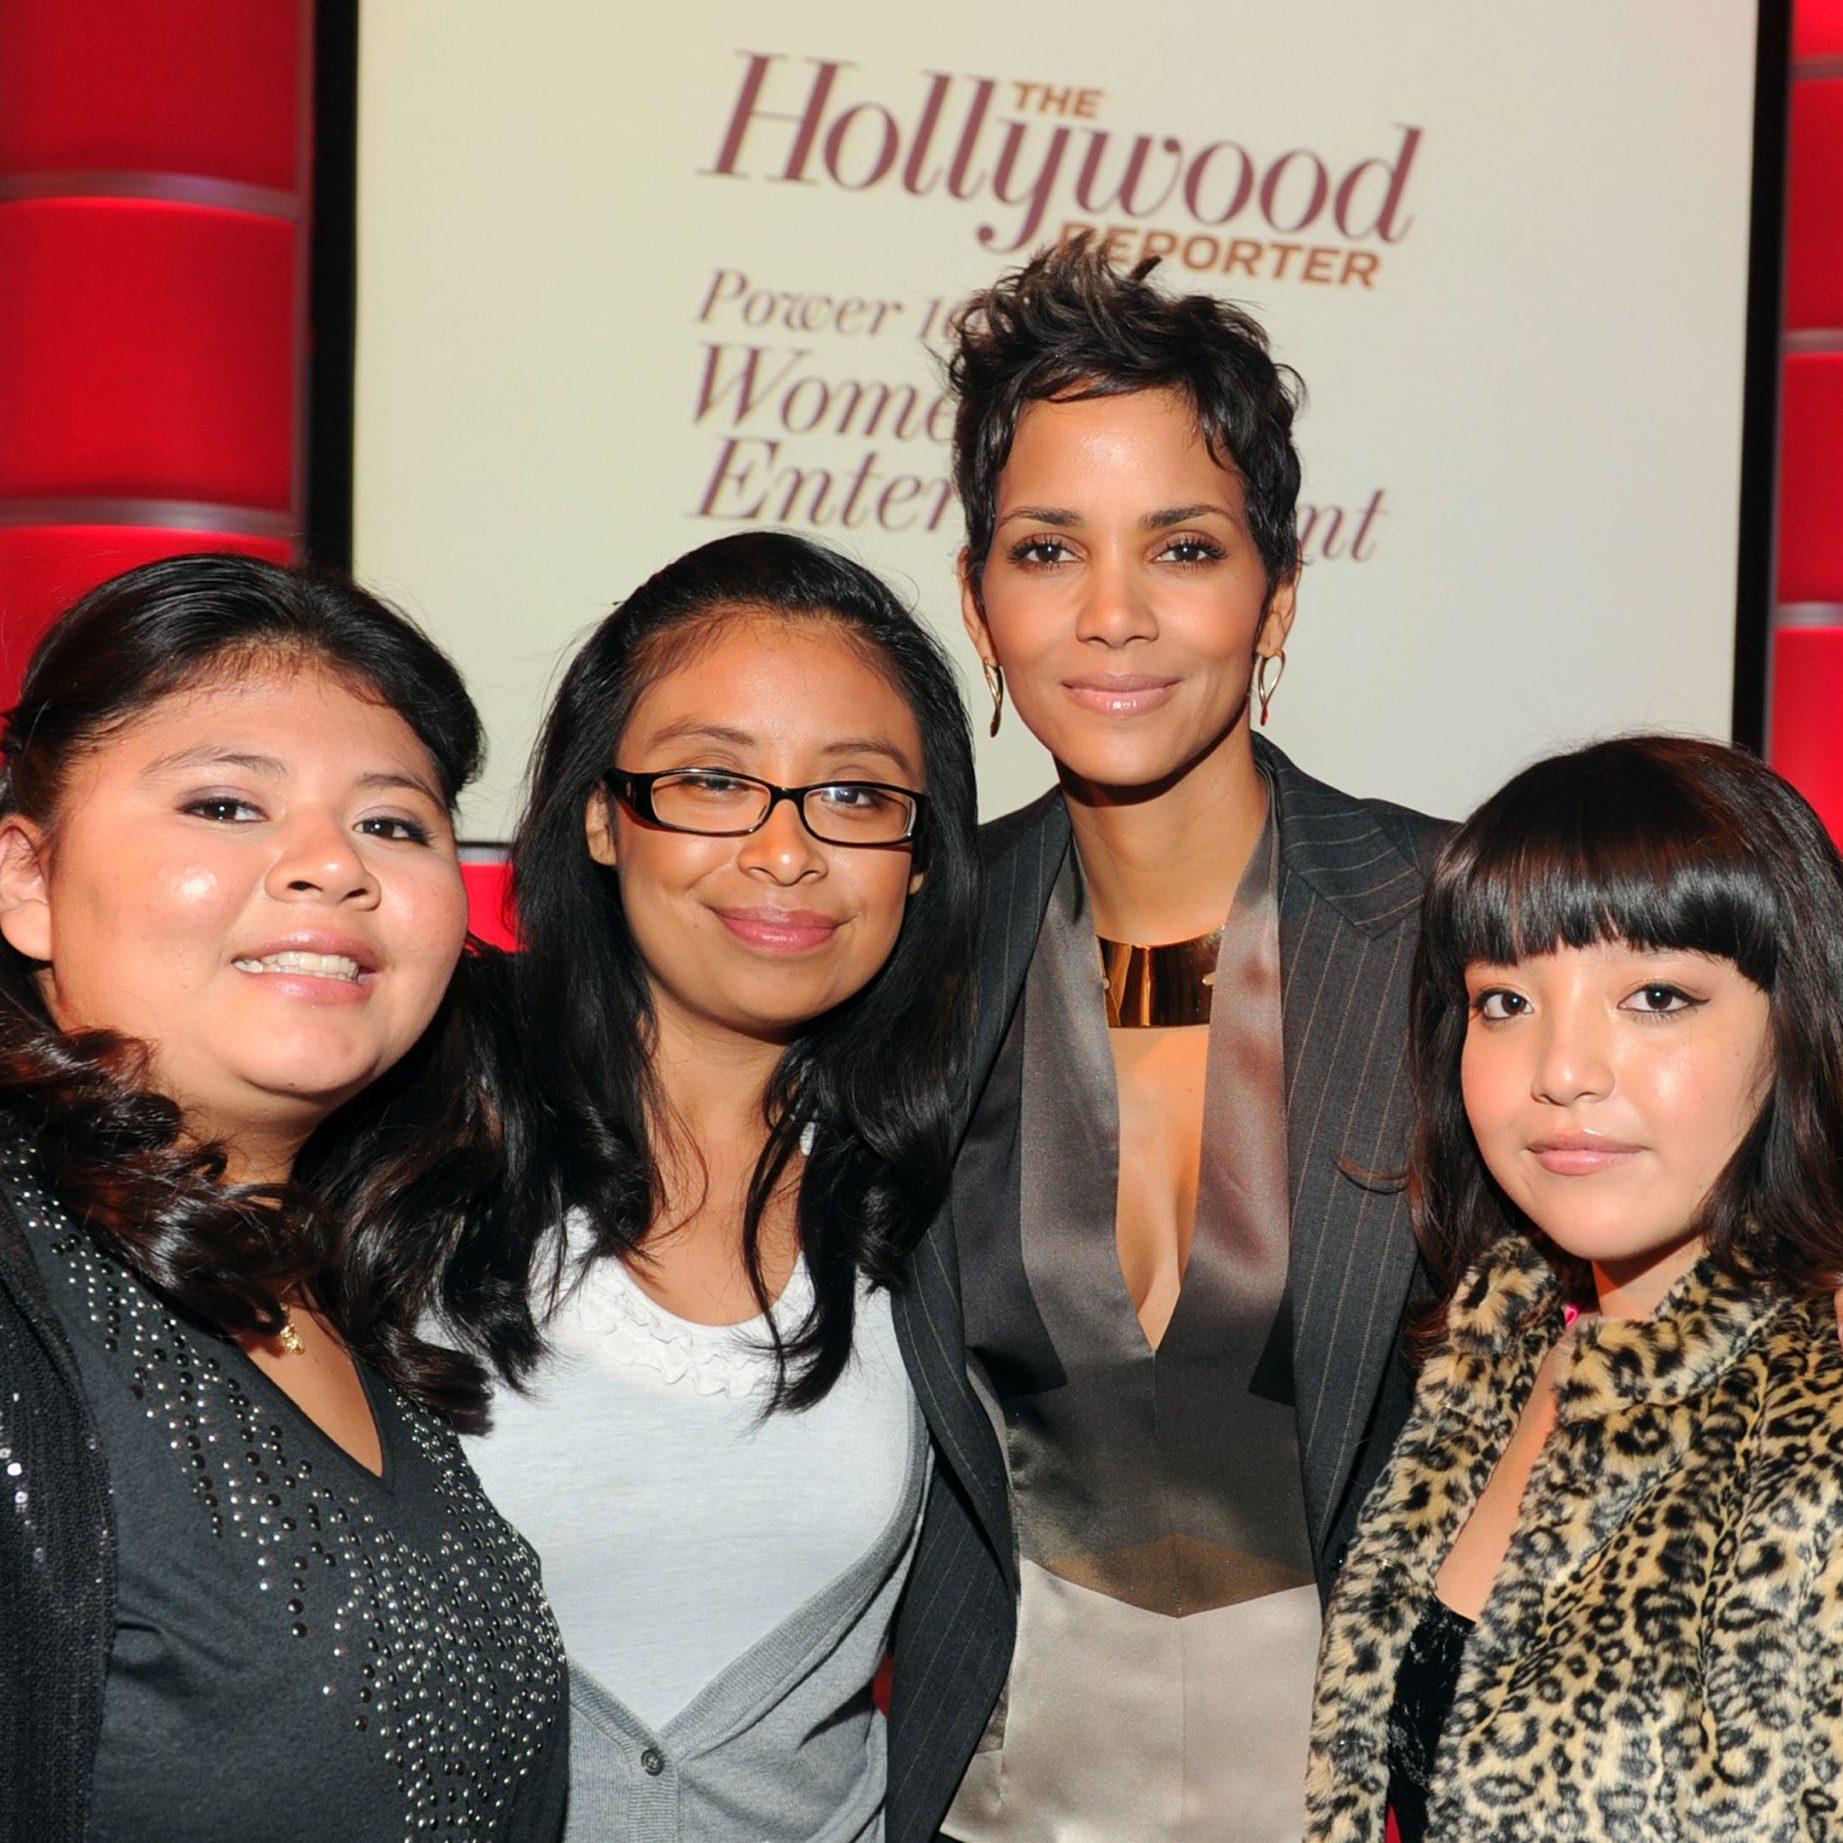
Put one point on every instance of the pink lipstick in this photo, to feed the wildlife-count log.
(789, 931)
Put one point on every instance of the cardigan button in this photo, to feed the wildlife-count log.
(652, 1762)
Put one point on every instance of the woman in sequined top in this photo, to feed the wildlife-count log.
(248, 1581)
(745, 879)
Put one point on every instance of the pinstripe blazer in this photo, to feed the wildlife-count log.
(1351, 875)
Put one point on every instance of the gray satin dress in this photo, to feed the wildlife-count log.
(1161, 1686)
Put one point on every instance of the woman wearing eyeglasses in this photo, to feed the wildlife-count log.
(745, 879)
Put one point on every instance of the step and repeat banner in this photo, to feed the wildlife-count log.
(634, 277)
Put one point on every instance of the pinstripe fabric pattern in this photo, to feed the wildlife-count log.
(1350, 886)
(1350, 890)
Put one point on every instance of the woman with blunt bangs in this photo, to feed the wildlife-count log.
(247, 1579)
(1157, 1330)
(745, 877)
(1598, 1593)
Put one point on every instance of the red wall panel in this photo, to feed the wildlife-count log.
(1807, 716)
(1811, 479)
(206, 87)
(150, 353)
(1805, 742)
(488, 912)
(1814, 206)
(153, 179)
(1817, 29)
(44, 568)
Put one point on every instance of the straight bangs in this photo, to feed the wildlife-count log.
(1610, 844)
(1664, 843)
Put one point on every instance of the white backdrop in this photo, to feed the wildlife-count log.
(631, 277)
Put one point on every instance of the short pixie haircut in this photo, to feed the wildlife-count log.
(1671, 844)
(1068, 326)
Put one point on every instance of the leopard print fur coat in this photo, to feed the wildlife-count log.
(1661, 1658)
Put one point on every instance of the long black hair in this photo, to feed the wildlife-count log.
(355, 1220)
(873, 1078)
(1666, 843)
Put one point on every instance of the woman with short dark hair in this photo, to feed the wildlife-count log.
(247, 1579)
(1598, 1592)
(1071, 328)
(745, 878)
(1164, 1280)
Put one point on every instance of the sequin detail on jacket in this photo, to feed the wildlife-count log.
(388, 1633)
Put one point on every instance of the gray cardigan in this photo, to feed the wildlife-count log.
(783, 1744)
(719, 1768)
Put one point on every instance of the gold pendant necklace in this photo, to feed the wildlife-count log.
(1159, 988)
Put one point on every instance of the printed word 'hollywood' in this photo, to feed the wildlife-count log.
(797, 122)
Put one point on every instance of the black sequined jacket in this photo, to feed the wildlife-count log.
(57, 1564)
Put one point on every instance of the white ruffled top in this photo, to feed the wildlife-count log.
(677, 1524)
(616, 1321)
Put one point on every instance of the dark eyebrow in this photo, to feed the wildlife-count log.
(695, 729)
(208, 755)
(1181, 515)
(1061, 517)
(270, 768)
(873, 745)
(385, 779)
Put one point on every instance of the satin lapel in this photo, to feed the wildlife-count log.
(1349, 904)
(1023, 854)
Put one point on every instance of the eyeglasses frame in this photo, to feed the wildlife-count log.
(635, 791)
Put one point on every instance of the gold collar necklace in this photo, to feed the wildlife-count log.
(1159, 988)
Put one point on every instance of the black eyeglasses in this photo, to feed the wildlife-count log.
(714, 803)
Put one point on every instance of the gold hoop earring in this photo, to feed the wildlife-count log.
(1264, 688)
(995, 684)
